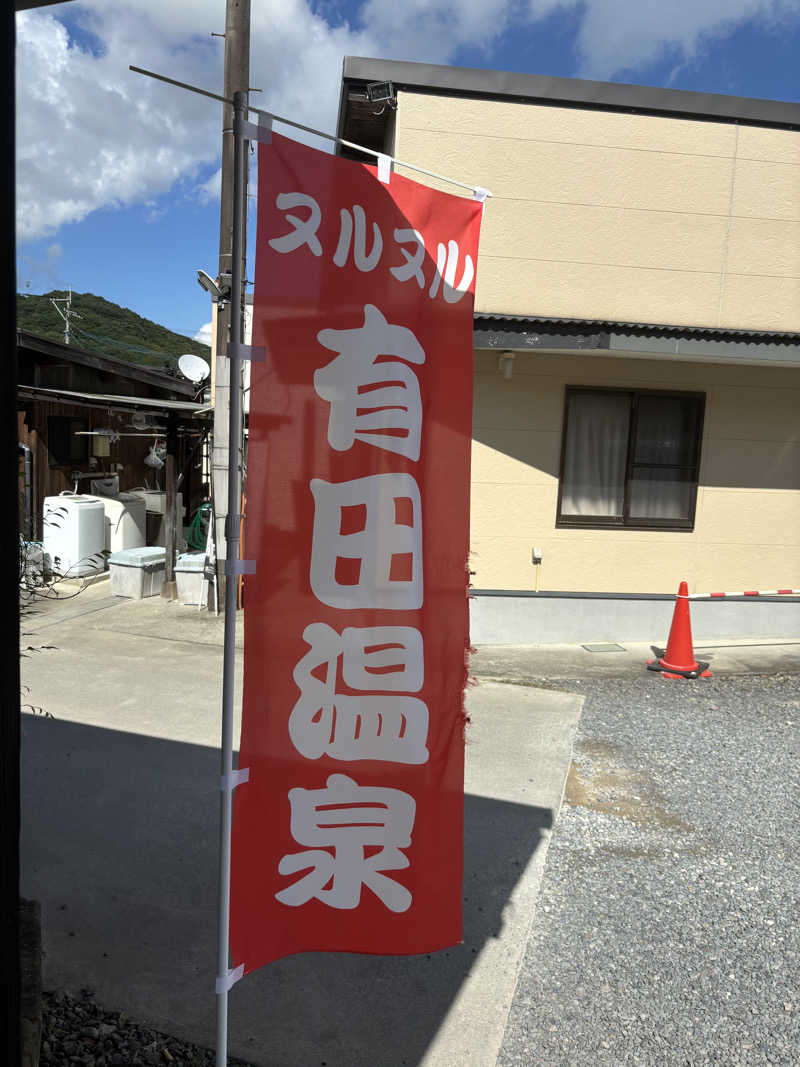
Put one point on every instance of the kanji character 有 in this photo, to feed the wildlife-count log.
(382, 557)
(338, 823)
(381, 726)
(371, 401)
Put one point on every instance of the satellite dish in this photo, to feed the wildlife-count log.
(194, 368)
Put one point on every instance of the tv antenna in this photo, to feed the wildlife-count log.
(67, 313)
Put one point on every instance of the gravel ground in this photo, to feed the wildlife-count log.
(77, 1033)
(666, 929)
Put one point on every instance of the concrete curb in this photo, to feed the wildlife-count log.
(519, 751)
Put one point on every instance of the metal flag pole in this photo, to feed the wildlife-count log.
(233, 567)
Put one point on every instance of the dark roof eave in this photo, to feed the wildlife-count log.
(589, 327)
(571, 92)
(107, 364)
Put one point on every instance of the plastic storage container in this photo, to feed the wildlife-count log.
(74, 534)
(126, 525)
(137, 572)
(189, 576)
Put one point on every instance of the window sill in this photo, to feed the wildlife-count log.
(597, 524)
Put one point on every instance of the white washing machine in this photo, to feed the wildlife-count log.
(74, 534)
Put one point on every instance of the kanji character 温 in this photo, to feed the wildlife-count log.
(378, 726)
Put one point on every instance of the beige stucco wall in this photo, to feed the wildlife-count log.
(747, 525)
(603, 215)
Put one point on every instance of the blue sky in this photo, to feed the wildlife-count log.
(118, 176)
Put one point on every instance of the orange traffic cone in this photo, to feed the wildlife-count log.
(678, 661)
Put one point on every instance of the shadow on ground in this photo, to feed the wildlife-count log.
(120, 839)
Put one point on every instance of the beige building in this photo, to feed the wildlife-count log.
(637, 341)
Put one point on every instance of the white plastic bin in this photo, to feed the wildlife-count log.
(74, 534)
(137, 572)
(189, 576)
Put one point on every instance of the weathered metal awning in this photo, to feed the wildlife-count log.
(520, 333)
(111, 402)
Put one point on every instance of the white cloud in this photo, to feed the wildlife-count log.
(204, 334)
(619, 36)
(431, 30)
(90, 133)
(93, 134)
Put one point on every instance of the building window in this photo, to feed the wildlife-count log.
(630, 458)
(65, 448)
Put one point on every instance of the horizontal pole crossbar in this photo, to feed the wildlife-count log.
(254, 353)
(476, 190)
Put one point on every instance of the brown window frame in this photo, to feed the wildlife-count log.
(624, 522)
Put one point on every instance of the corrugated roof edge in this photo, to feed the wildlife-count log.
(647, 329)
(112, 401)
(572, 92)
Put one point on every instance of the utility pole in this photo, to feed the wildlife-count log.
(236, 79)
(67, 313)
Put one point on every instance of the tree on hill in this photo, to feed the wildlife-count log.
(106, 329)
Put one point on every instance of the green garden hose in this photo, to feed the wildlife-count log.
(198, 528)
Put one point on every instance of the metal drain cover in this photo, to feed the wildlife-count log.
(604, 648)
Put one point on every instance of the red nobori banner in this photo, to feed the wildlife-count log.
(348, 834)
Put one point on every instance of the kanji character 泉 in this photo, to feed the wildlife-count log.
(380, 726)
(371, 401)
(366, 548)
(346, 819)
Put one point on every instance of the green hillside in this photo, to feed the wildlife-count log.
(106, 329)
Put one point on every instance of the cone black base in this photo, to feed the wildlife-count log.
(700, 671)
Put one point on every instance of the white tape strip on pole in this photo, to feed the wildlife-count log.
(384, 168)
(236, 777)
